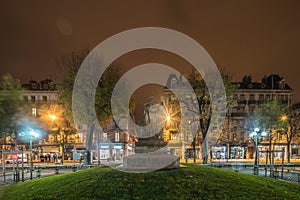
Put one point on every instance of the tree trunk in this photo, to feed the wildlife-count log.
(204, 128)
(88, 144)
(205, 151)
(289, 151)
(194, 149)
(228, 151)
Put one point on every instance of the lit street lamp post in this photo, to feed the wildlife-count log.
(256, 134)
(61, 131)
(32, 135)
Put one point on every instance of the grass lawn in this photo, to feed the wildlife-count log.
(192, 182)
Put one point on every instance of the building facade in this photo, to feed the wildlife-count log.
(295, 142)
(181, 127)
(233, 141)
(249, 97)
(61, 141)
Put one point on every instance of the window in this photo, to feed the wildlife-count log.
(173, 83)
(235, 122)
(117, 137)
(251, 110)
(45, 86)
(242, 97)
(261, 97)
(25, 98)
(44, 98)
(33, 98)
(234, 110)
(104, 136)
(34, 86)
(240, 110)
(173, 136)
(268, 97)
(235, 97)
(33, 112)
(252, 97)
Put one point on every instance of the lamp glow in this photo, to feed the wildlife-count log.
(253, 134)
(264, 133)
(52, 117)
(33, 133)
(168, 117)
(284, 117)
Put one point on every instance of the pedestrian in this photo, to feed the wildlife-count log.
(55, 158)
(81, 158)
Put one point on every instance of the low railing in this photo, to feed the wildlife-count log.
(9, 175)
(289, 173)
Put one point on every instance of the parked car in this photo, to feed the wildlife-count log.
(14, 157)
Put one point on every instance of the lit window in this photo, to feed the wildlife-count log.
(33, 112)
(104, 136)
(117, 137)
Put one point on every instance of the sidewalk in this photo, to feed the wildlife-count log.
(250, 161)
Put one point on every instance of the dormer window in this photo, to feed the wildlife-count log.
(34, 86)
(173, 83)
(104, 136)
(45, 86)
(117, 137)
(282, 84)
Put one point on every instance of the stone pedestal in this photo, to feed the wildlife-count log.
(144, 162)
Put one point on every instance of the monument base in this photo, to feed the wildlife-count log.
(150, 162)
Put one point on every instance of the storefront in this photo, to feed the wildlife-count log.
(295, 152)
(237, 152)
(112, 151)
(190, 153)
(277, 151)
(218, 152)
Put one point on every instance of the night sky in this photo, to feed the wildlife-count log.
(244, 37)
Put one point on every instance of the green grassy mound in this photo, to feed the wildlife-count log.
(192, 182)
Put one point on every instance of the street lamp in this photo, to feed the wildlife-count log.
(256, 134)
(52, 117)
(168, 118)
(32, 135)
(61, 131)
(283, 117)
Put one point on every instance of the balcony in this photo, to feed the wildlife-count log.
(242, 102)
(238, 114)
(252, 101)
